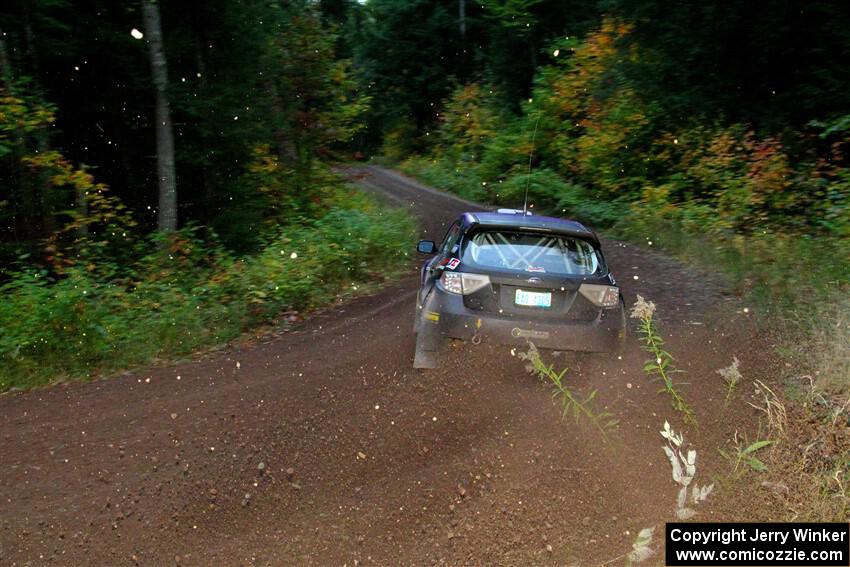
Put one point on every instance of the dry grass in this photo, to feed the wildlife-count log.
(812, 485)
(772, 406)
(806, 468)
(810, 467)
(812, 463)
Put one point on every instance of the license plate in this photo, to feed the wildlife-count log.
(533, 298)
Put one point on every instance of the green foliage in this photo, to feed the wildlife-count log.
(546, 190)
(750, 63)
(97, 213)
(21, 118)
(469, 122)
(416, 52)
(409, 51)
(463, 181)
(316, 102)
(661, 365)
(401, 141)
(571, 403)
(25, 124)
(757, 264)
(517, 35)
(185, 292)
(507, 151)
(270, 194)
(516, 15)
(744, 454)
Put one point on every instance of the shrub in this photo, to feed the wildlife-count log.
(463, 181)
(187, 292)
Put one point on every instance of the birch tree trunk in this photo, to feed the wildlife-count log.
(167, 213)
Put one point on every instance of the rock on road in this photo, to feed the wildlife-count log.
(322, 446)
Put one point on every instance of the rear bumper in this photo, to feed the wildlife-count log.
(446, 314)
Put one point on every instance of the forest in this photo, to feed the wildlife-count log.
(170, 164)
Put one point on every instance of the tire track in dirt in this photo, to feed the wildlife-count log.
(323, 446)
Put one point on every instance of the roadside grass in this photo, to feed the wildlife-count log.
(186, 293)
(813, 484)
(799, 461)
(824, 352)
(798, 286)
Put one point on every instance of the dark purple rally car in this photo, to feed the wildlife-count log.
(513, 277)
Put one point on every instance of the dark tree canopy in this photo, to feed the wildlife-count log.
(303, 81)
(775, 63)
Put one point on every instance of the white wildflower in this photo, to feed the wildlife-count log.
(642, 309)
(731, 374)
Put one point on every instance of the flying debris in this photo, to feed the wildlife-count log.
(136, 33)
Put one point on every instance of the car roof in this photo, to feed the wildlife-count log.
(529, 222)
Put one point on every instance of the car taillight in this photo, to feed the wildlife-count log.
(463, 283)
(601, 295)
(451, 282)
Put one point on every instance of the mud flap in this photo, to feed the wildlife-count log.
(624, 330)
(427, 345)
(424, 358)
(416, 316)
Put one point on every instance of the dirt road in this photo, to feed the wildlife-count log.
(319, 445)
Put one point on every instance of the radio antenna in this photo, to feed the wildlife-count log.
(530, 157)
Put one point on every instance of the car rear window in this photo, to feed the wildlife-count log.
(533, 253)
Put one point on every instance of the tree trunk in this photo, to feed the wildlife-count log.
(167, 213)
(82, 208)
(462, 17)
